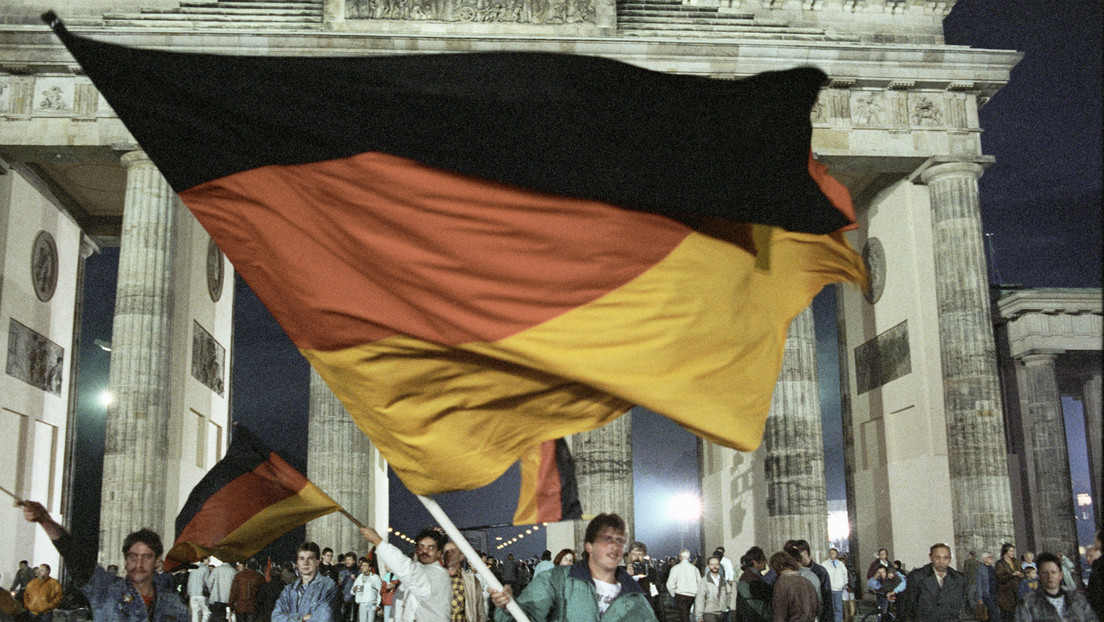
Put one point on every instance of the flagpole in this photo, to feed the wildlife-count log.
(11, 494)
(351, 517)
(473, 559)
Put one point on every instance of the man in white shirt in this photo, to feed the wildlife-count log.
(837, 576)
(683, 584)
(197, 602)
(425, 589)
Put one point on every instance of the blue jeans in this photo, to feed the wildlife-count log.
(837, 604)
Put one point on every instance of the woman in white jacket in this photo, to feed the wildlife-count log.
(366, 590)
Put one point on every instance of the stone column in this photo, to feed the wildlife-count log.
(977, 456)
(1094, 427)
(603, 468)
(1053, 495)
(850, 431)
(136, 444)
(797, 505)
(339, 461)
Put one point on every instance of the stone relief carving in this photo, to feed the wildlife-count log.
(34, 359)
(868, 109)
(883, 359)
(818, 114)
(51, 99)
(483, 11)
(926, 112)
(5, 92)
(44, 266)
(53, 95)
(208, 359)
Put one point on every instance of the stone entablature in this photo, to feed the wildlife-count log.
(1052, 320)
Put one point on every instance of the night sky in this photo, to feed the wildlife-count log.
(1040, 203)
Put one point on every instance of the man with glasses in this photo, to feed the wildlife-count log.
(425, 588)
(596, 587)
(132, 598)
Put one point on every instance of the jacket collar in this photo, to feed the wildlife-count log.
(581, 571)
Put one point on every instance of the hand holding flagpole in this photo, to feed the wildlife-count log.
(466, 548)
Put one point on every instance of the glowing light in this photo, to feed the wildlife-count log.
(686, 507)
(839, 528)
(107, 398)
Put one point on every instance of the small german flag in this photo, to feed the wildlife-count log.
(250, 498)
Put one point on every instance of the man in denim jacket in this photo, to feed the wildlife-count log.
(313, 597)
(133, 598)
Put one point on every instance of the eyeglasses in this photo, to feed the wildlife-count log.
(608, 539)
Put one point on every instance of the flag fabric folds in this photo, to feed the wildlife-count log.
(480, 253)
(250, 498)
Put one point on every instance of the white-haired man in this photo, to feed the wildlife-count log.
(683, 584)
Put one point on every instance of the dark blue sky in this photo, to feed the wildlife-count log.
(1041, 201)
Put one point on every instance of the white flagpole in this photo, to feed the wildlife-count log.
(473, 559)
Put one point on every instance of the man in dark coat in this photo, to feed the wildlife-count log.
(935, 592)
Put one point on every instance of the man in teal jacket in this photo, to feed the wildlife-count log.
(595, 588)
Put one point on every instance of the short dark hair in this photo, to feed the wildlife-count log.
(1005, 547)
(310, 547)
(792, 550)
(600, 522)
(783, 561)
(639, 546)
(802, 545)
(24, 563)
(251, 564)
(546, 555)
(147, 537)
(324, 551)
(938, 545)
(1043, 558)
(753, 555)
(435, 533)
(46, 566)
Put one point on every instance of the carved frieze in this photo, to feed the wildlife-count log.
(5, 92)
(926, 110)
(868, 109)
(482, 11)
(53, 95)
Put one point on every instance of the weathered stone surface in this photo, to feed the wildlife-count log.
(981, 498)
(1053, 497)
(136, 444)
(603, 467)
(339, 461)
(797, 504)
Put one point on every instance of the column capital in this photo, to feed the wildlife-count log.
(938, 167)
(1039, 357)
(132, 158)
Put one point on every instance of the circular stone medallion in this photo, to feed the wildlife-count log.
(214, 271)
(874, 257)
(44, 266)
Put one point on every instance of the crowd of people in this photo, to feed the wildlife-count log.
(610, 580)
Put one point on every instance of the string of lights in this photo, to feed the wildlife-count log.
(505, 542)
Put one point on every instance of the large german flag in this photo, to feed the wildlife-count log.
(482, 252)
(250, 498)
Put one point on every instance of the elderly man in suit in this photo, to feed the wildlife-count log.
(935, 592)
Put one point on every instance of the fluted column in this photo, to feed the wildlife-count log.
(1094, 428)
(603, 468)
(339, 461)
(977, 456)
(1053, 494)
(136, 443)
(797, 505)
